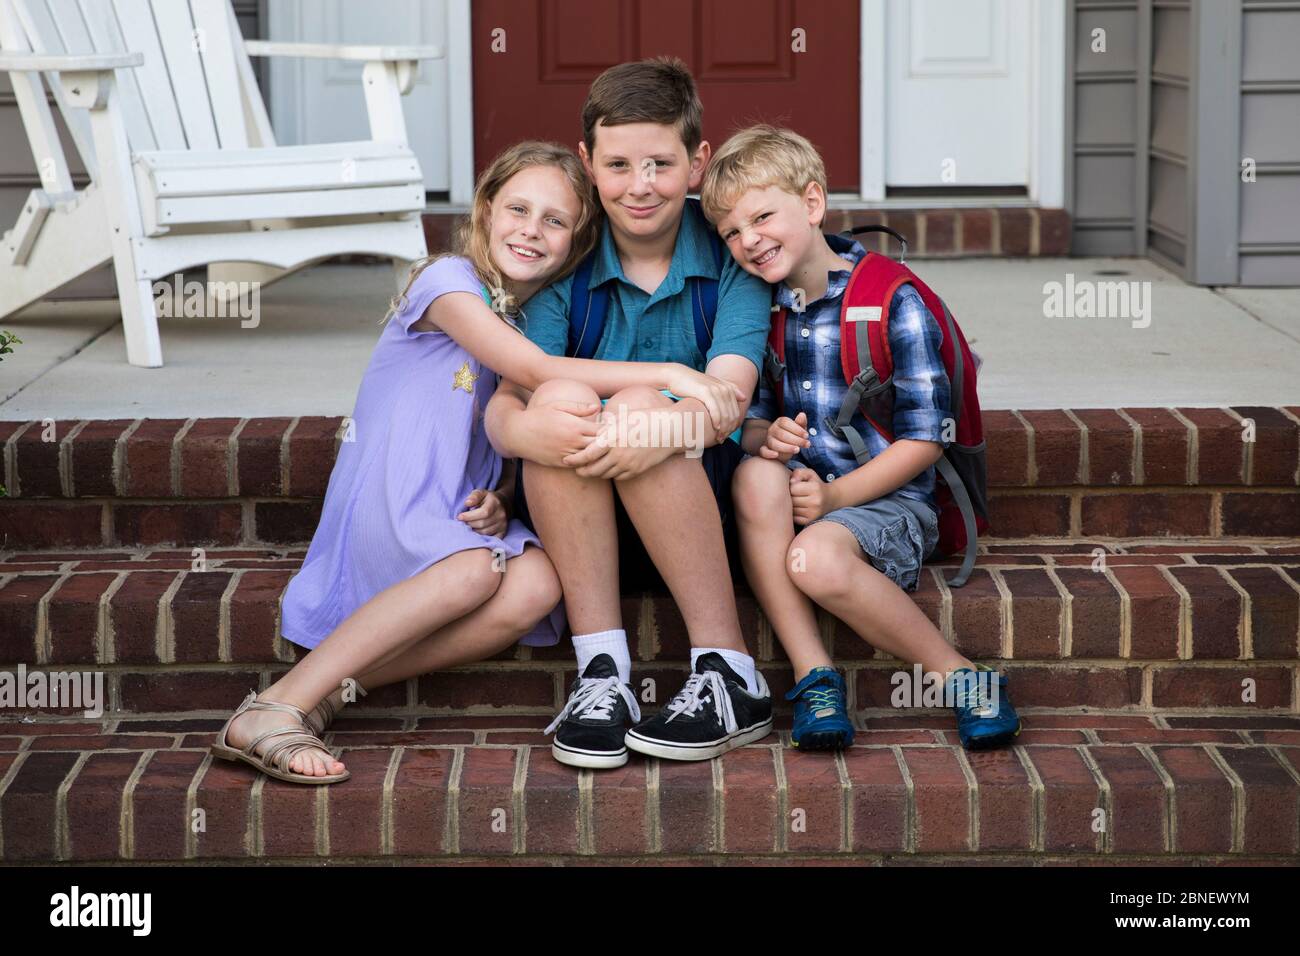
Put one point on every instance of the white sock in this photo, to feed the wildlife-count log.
(742, 664)
(613, 643)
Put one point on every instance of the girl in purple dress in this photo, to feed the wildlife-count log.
(416, 565)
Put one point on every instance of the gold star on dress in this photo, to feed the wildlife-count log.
(464, 379)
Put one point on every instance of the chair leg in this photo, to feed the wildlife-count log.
(139, 317)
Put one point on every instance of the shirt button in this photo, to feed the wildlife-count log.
(830, 477)
(648, 343)
(804, 333)
(812, 431)
(806, 385)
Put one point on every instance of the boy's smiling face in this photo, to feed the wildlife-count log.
(642, 174)
(770, 231)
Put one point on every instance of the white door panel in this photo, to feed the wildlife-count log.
(958, 99)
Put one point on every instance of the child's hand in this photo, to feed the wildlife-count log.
(785, 437)
(810, 496)
(560, 429)
(486, 514)
(720, 397)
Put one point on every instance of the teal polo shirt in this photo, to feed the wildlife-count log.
(659, 326)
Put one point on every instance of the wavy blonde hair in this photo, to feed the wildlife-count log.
(473, 233)
(755, 158)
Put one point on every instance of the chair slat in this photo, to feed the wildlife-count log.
(185, 67)
(139, 35)
(212, 22)
(105, 37)
(259, 124)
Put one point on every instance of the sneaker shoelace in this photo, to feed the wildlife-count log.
(822, 697)
(594, 697)
(701, 687)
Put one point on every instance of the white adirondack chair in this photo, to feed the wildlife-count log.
(162, 104)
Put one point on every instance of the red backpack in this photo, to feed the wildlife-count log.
(868, 371)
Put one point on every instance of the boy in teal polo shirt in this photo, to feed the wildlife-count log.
(589, 495)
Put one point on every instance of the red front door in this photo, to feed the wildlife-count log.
(749, 62)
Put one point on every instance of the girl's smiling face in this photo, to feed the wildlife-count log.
(532, 218)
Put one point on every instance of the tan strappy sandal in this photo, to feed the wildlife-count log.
(275, 761)
(322, 715)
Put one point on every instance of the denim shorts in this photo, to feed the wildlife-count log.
(896, 534)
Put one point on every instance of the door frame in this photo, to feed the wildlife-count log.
(1047, 33)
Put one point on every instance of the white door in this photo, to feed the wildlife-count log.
(318, 101)
(958, 106)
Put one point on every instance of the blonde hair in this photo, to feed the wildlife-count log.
(755, 158)
(472, 234)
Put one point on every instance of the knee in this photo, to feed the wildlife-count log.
(639, 396)
(817, 565)
(759, 486)
(532, 591)
(562, 390)
(480, 579)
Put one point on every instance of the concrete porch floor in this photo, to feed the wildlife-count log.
(316, 330)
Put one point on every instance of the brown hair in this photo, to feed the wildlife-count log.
(755, 158)
(659, 90)
(472, 237)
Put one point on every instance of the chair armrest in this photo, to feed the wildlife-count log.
(69, 63)
(336, 51)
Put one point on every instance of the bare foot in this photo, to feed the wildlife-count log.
(248, 726)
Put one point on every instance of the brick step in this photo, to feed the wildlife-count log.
(1078, 786)
(1130, 624)
(229, 481)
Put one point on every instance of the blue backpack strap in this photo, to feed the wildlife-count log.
(704, 292)
(587, 308)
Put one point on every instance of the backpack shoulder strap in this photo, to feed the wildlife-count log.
(587, 308)
(704, 292)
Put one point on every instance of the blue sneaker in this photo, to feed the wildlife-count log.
(983, 719)
(821, 719)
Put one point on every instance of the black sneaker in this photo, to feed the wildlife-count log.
(712, 714)
(595, 718)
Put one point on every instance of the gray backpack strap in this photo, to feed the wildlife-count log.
(958, 489)
(864, 386)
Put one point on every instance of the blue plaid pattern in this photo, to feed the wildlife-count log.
(814, 381)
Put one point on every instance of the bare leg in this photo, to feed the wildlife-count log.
(529, 591)
(574, 517)
(393, 619)
(761, 493)
(839, 578)
(676, 515)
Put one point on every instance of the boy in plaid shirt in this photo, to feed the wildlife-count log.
(866, 529)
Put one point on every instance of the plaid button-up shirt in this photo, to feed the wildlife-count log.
(814, 380)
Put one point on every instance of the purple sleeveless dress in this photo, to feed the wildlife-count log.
(420, 448)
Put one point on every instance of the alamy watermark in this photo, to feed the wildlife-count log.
(654, 428)
(919, 688)
(209, 300)
(1086, 299)
(41, 689)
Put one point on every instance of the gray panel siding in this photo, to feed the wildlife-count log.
(1102, 174)
(1269, 236)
